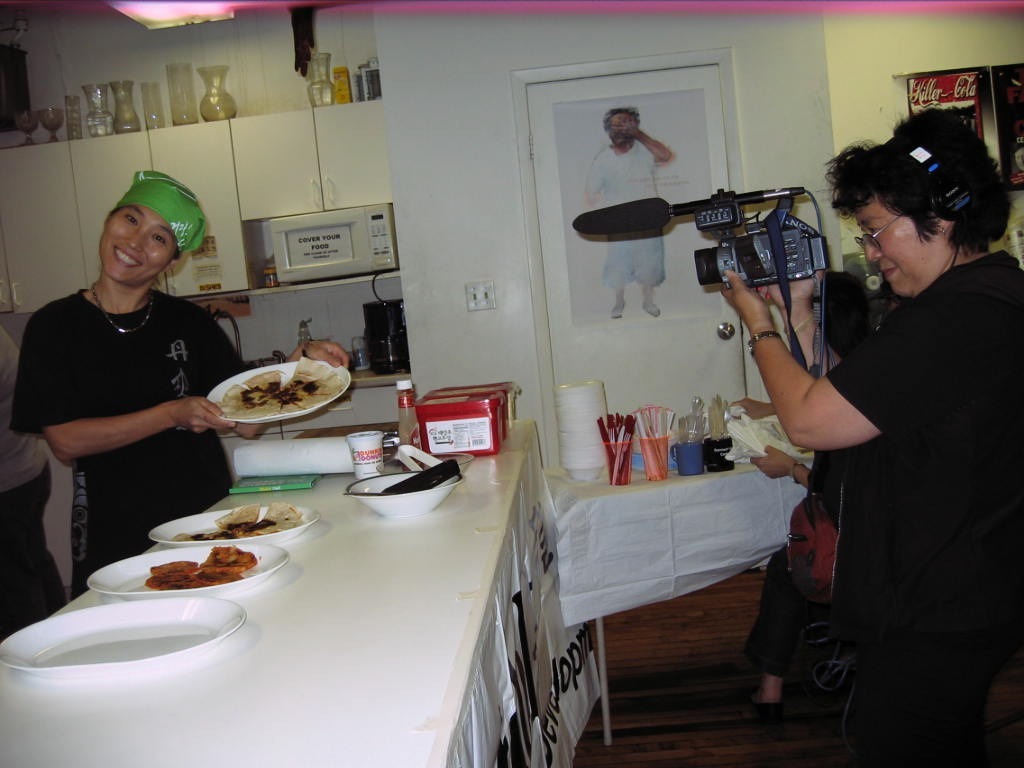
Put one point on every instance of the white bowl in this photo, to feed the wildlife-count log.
(410, 504)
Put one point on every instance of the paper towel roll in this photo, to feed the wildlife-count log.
(320, 455)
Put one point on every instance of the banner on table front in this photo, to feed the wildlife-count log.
(536, 682)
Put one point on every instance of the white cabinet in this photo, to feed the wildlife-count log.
(40, 224)
(197, 155)
(311, 160)
(200, 157)
(103, 168)
(353, 151)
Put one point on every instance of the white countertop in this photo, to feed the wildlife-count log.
(356, 653)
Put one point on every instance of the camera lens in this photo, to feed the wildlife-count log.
(706, 261)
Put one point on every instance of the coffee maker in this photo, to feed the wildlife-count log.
(386, 340)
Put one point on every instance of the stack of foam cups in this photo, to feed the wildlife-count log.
(578, 406)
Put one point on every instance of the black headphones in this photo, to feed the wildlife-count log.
(947, 195)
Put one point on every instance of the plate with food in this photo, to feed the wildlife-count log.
(214, 569)
(271, 523)
(122, 637)
(278, 392)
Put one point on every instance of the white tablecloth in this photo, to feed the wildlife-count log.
(381, 644)
(620, 547)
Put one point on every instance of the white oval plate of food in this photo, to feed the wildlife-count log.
(272, 523)
(122, 637)
(278, 392)
(210, 570)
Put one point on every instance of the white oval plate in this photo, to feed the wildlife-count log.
(206, 522)
(121, 637)
(288, 369)
(127, 578)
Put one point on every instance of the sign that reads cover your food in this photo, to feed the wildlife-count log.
(319, 244)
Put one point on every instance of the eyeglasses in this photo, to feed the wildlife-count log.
(872, 238)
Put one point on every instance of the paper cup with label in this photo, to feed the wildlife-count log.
(367, 450)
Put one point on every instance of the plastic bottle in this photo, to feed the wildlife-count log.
(408, 427)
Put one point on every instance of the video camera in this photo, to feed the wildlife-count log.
(750, 255)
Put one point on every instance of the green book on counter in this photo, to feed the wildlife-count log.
(274, 483)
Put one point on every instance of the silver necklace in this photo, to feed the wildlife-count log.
(115, 326)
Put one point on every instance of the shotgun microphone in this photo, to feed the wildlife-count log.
(654, 213)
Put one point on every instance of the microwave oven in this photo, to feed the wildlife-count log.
(331, 244)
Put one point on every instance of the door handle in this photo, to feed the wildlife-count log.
(329, 192)
(14, 295)
(726, 330)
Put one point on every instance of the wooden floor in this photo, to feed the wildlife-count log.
(680, 684)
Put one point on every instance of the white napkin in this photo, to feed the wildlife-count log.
(319, 455)
(750, 437)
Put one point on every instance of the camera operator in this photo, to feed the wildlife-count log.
(929, 582)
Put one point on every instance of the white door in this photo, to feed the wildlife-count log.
(670, 350)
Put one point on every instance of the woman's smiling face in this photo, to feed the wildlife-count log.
(908, 263)
(137, 245)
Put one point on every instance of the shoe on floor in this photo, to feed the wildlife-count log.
(767, 711)
(651, 309)
(617, 309)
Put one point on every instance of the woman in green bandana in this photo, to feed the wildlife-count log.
(115, 377)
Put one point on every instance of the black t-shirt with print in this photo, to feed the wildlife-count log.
(75, 365)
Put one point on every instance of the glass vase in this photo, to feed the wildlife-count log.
(217, 103)
(73, 116)
(152, 106)
(99, 120)
(182, 93)
(126, 119)
(321, 89)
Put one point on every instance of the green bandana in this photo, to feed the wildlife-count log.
(175, 202)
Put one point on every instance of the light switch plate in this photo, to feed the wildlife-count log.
(480, 295)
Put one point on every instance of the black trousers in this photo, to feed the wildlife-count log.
(30, 584)
(783, 614)
(920, 697)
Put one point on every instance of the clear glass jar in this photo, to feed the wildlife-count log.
(321, 88)
(152, 106)
(99, 120)
(217, 103)
(126, 119)
(73, 116)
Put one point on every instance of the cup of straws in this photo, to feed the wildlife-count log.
(617, 433)
(654, 424)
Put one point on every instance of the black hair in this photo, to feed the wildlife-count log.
(887, 173)
(847, 313)
(631, 111)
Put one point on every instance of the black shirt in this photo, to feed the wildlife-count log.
(933, 510)
(75, 365)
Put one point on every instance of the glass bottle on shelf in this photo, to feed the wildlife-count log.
(217, 103)
(408, 431)
(321, 88)
(182, 93)
(126, 119)
(99, 120)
